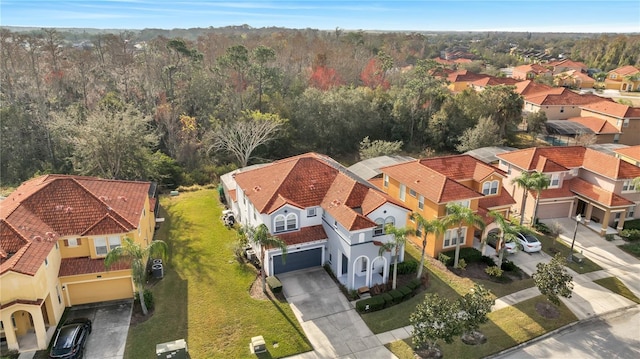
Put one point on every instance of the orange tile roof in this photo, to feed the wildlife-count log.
(86, 265)
(313, 180)
(614, 109)
(567, 63)
(597, 194)
(632, 152)
(527, 159)
(609, 166)
(433, 185)
(494, 81)
(561, 97)
(492, 202)
(304, 235)
(461, 167)
(528, 88)
(560, 192)
(625, 70)
(464, 75)
(232, 194)
(45, 208)
(597, 125)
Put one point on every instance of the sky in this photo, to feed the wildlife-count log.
(417, 15)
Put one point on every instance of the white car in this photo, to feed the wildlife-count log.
(529, 243)
(509, 247)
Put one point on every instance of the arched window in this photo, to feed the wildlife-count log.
(490, 187)
(389, 220)
(379, 230)
(279, 223)
(292, 221)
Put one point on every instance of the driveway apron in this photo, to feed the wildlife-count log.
(332, 326)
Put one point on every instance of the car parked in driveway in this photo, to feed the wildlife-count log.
(70, 339)
(529, 243)
(509, 247)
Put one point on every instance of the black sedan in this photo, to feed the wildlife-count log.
(70, 339)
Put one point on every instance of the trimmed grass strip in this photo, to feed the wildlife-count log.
(615, 285)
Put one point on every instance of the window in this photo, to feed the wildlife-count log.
(630, 213)
(554, 180)
(613, 76)
(419, 231)
(101, 246)
(464, 204)
(616, 138)
(627, 186)
(451, 237)
(292, 221)
(363, 267)
(490, 187)
(72, 242)
(403, 189)
(46, 262)
(311, 212)
(389, 221)
(421, 201)
(114, 242)
(625, 123)
(412, 193)
(379, 230)
(385, 181)
(279, 223)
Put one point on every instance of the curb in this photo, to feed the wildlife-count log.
(558, 330)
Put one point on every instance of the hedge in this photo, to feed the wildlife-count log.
(414, 284)
(275, 284)
(406, 292)
(632, 224)
(406, 267)
(630, 234)
(396, 295)
(470, 255)
(370, 304)
(388, 299)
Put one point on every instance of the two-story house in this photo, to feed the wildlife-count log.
(582, 181)
(625, 119)
(625, 78)
(426, 186)
(325, 215)
(566, 65)
(55, 231)
(530, 72)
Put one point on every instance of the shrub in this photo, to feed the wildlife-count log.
(630, 234)
(542, 228)
(370, 304)
(406, 267)
(148, 299)
(509, 266)
(609, 237)
(487, 260)
(632, 224)
(414, 284)
(274, 284)
(462, 264)
(470, 255)
(445, 259)
(396, 295)
(406, 292)
(388, 299)
(494, 271)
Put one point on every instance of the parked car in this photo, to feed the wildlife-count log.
(529, 243)
(509, 247)
(70, 339)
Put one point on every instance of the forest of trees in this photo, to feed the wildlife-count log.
(127, 106)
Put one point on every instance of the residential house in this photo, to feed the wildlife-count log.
(324, 213)
(55, 231)
(630, 154)
(582, 181)
(426, 186)
(624, 118)
(573, 79)
(558, 103)
(566, 65)
(460, 79)
(625, 78)
(530, 72)
(482, 83)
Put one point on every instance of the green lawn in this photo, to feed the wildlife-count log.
(204, 296)
(615, 285)
(632, 248)
(506, 328)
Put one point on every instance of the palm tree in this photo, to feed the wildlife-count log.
(261, 237)
(507, 233)
(137, 257)
(539, 182)
(459, 215)
(433, 226)
(523, 181)
(399, 240)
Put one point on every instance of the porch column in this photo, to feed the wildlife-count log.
(605, 222)
(38, 325)
(620, 225)
(10, 332)
(588, 213)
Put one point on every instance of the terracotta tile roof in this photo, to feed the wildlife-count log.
(567, 63)
(304, 235)
(561, 97)
(494, 81)
(47, 207)
(609, 166)
(434, 186)
(232, 194)
(547, 165)
(597, 125)
(535, 68)
(501, 200)
(377, 181)
(464, 76)
(597, 194)
(527, 159)
(461, 167)
(313, 180)
(613, 109)
(625, 70)
(561, 192)
(528, 88)
(86, 265)
(632, 152)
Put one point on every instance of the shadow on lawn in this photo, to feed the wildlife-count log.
(275, 300)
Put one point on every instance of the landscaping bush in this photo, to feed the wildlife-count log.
(396, 295)
(632, 224)
(406, 292)
(542, 228)
(630, 234)
(462, 264)
(370, 304)
(509, 266)
(445, 259)
(388, 299)
(487, 260)
(414, 284)
(275, 284)
(494, 271)
(470, 255)
(406, 267)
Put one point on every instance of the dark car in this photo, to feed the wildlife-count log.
(70, 339)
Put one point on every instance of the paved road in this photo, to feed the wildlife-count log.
(612, 336)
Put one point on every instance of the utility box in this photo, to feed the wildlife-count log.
(258, 345)
(176, 349)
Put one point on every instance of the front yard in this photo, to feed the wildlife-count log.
(204, 296)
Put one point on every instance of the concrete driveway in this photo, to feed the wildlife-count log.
(332, 326)
(110, 326)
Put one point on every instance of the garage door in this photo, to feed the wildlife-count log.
(298, 260)
(104, 290)
(554, 210)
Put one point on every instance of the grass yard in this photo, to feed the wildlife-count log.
(506, 328)
(561, 247)
(615, 285)
(632, 248)
(204, 296)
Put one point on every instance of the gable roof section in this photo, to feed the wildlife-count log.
(494, 81)
(560, 96)
(625, 70)
(461, 167)
(86, 265)
(528, 88)
(631, 152)
(597, 194)
(45, 208)
(597, 125)
(304, 235)
(609, 166)
(613, 109)
(501, 200)
(527, 159)
(567, 63)
(464, 75)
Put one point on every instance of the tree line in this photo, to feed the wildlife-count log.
(169, 109)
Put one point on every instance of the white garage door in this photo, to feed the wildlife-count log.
(554, 210)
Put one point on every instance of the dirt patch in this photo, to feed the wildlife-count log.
(547, 310)
(256, 292)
